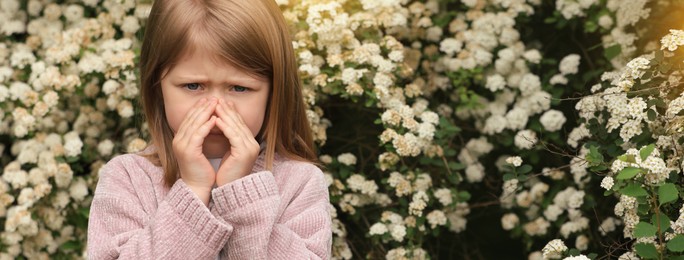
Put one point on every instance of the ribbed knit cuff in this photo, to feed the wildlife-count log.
(244, 191)
(193, 211)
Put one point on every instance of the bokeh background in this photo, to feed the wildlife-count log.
(474, 129)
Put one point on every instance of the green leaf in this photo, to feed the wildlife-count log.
(644, 229)
(69, 245)
(664, 68)
(627, 158)
(524, 169)
(464, 196)
(634, 190)
(676, 244)
(664, 222)
(594, 156)
(647, 251)
(659, 55)
(646, 151)
(667, 193)
(651, 114)
(612, 51)
(628, 173)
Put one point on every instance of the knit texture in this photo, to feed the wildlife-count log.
(279, 214)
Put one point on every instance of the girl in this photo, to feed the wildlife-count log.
(229, 171)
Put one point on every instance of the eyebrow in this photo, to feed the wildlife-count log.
(233, 80)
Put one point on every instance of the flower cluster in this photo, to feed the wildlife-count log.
(468, 104)
(64, 88)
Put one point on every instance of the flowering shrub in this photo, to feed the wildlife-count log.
(445, 127)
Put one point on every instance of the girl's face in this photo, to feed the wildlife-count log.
(198, 76)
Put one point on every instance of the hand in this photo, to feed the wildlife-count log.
(195, 169)
(244, 149)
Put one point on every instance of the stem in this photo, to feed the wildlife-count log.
(660, 231)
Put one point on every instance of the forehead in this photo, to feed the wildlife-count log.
(201, 59)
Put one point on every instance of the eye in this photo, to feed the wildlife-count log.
(192, 86)
(239, 88)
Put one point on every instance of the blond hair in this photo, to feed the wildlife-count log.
(251, 35)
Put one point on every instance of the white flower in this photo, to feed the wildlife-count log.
(16, 178)
(536, 255)
(582, 242)
(510, 186)
(552, 120)
(4, 93)
(569, 64)
(514, 160)
(538, 227)
(327, 159)
(532, 56)
(105, 147)
(495, 124)
(607, 183)
(72, 144)
(398, 232)
(605, 21)
(73, 13)
(436, 218)
(475, 172)
(378, 229)
(554, 249)
(552, 212)
(525, 139)
(430, 117)
(396, 254)
(418, 203)
(509, 221)
(673, 40)
(64, 175)
(78, 189)
(444, 196)
(579, 257)
(130, 24)
(629, 256)
(495, 82)
(51, 98)
(450, 46)
(576, 199)
(422, 182)
(358, 182)
(529, 84)
(347, 159)
(136, 145)
(469, 3)
(558, 79)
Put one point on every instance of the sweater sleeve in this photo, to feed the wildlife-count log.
(121, 227)
(251, 205)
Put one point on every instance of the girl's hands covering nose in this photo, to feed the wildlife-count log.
(244, 149)
(195, 169)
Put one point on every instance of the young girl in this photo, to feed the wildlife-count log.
(229, 171)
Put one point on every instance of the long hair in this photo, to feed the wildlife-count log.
(249, 34)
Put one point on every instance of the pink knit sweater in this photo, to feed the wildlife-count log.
(279, 214)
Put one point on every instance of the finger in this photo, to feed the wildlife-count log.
(180, 132)
(228, 129)
(200, 118)
(233, 116)
(239, 140)
(198, 136)
(238, 119)
(202, 115)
